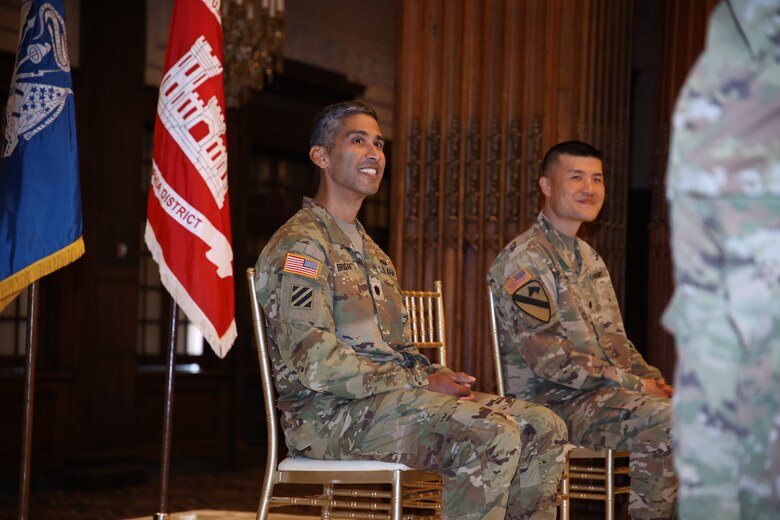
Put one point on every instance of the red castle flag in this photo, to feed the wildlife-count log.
(188, 215)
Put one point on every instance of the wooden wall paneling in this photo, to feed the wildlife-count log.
(504, 56)
(468, 133)
(403, 162)
(479, 191)
(496, 84)
(548, 18)
(536, 88)
(620, 146)
(52, 392)
(605, 124)
(438, 66)
(616, 107)
(588, 124)
(243, 451)
(201, 421)
(103, 284)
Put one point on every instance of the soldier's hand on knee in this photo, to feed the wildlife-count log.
(663, 385)
(656, 387)
(455, 384)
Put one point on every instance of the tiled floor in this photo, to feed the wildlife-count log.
(231, 495)
(226, 515)
(226, 491)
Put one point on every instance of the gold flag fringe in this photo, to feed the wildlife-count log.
(17, 282)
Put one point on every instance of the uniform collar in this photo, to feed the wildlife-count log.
(332, 227)
(571, 260)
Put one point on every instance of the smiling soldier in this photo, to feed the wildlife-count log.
(562, 338)
(351, 386)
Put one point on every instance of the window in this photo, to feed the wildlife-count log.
(13, 332)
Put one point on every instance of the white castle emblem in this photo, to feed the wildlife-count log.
(181, 110)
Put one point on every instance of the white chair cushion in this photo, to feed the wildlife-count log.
(306, 464)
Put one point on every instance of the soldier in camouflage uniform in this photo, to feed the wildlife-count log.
(723, 186)
(351, 387)
(562, 338)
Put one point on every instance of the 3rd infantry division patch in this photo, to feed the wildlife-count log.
(532, 299)
(301, 297)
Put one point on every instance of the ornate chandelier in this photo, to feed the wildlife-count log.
(253, 41)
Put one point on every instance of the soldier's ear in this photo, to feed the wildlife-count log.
(319, 156)
(545, 185)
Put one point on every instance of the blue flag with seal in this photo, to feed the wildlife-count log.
(40, 202)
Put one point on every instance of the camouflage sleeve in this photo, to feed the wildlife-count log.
(551, 354)
(640, 367)
(555, 343)
(420, 360)
(299, 309)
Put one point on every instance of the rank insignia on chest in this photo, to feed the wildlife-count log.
(376, 289)
(531, 298)
(301, 297)
(299, 264)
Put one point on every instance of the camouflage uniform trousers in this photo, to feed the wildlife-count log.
(626, 420)
(725, 315)
(498, 458)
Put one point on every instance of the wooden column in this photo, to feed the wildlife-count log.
(483, 88)
(685, 29)
(103, 285)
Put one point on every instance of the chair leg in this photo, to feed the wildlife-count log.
(327, 490)
(265, 501)
(396, 499)
(565, 497)
(609, 501)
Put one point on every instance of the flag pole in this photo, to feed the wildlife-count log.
(165, 464)
(31, 347)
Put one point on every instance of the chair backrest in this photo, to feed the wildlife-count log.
(266, 373)
(499, 366)
(426, 318)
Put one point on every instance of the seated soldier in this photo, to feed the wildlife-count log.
(562, 338)
(350, 387)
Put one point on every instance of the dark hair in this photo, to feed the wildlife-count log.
(575, 148)
(330, 121)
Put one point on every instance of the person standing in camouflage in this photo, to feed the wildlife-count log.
(351, 387)
(723, 187)
(562, 339)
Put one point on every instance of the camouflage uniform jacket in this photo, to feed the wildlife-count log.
(559, 320)
(336, 324)
(725, 138)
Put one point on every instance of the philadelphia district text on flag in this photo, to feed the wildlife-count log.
(188, 214)
(40, 201)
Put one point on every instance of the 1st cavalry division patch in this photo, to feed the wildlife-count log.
(529, 295)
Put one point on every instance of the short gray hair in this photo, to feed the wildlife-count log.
(330, 121)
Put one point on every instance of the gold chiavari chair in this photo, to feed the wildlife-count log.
(581, 480)
(410, 489)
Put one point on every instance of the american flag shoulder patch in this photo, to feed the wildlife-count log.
(302, 265)
(517, 280)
